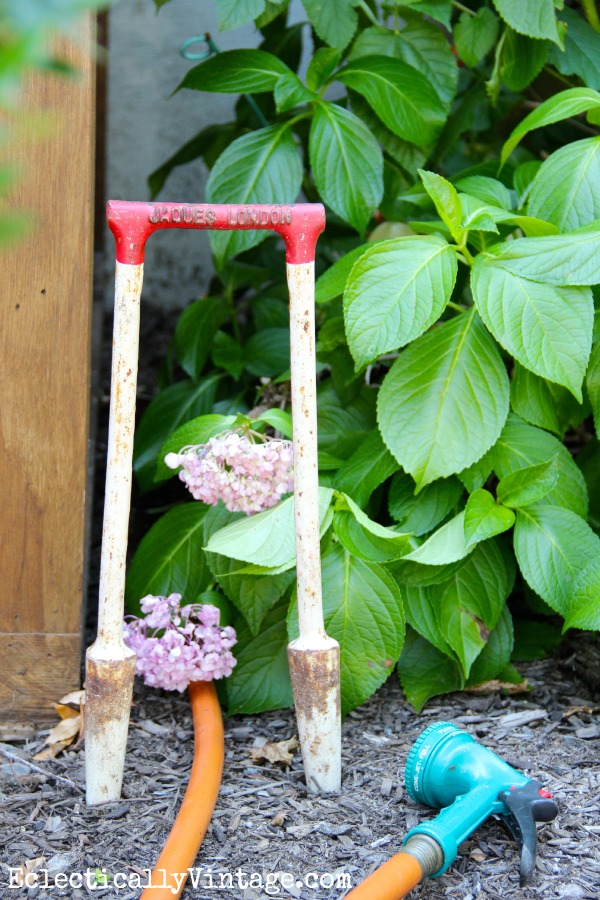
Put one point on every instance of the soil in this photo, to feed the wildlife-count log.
(266, 822)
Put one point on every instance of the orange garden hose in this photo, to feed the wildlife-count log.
(193, 818)
(392, 881)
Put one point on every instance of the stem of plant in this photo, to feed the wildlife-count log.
(368, 12)
(463, 8)
(591, 13)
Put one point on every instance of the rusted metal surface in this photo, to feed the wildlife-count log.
(315, 675)
(313, 657)
(109, 663)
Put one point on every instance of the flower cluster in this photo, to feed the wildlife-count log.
(178, 644)
(248, 477)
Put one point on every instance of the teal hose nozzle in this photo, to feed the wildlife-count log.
(447, 769)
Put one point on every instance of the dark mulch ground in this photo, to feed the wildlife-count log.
(265, 822)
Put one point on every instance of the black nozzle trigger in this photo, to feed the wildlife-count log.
(527, 805)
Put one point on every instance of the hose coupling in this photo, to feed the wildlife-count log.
(426, 851)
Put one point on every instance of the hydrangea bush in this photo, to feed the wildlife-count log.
(456, 148)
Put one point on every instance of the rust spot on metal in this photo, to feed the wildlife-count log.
(315, 677)
(108, 685)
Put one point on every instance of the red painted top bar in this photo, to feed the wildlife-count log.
(132, 223)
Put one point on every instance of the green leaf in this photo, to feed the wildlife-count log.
(446, 201)
(584, 607)
(347, 163)
(469, 605)
(419, 44)
(261, 678)
(395, 291)
(474, 36)
(521, 60)
(332, 282)
(198, 431)
(552, 546)
(582, 50)
(408, 156)
(236, 72)
(420, 513)
(521, 445)
(170, 558)
(267, 353)
(561, 259)
(290, 92)
(484, 517)
(401, 96)
(544, 403)
(566, 189)
(476, 475)
(421, 615)
(560, 106)
(523, 177)
(362, 608)
(175, 404)
(273, 8)
(536, 20)
(443, 403)
(440, 10)
(547, 328)
(334, 22)
(343, 426)
(365, 538)
(444, 546)
(528, 485)
(489, 190)
(321, 67)
(260, 167)
(253, 595)
(425, 672)
(278, 419)
(593, 384)
(367, 468)
(195, 330)
(495, 656)
(228, 354)
(267, 538)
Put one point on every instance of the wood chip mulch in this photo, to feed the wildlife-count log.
(266, 822)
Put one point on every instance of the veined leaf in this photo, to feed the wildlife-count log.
(446, 201)
(261, 678)
(561, 106)
(475, 36)
(485, 518)
(446, 545)
(443, 403)
(566, 189)
(401, 96)
(476, 475)
(584, 608)
(420, 513)
(266, 538)
(425, 672)
(365, 538)
(421, 615)
(544, 403)
(547, 328)
(195, 329)
(170, 558)
(495, 656)
(488, 190)
(343, 426)
(581, 55)
(260, 167)
(236, 72)
(528, 485)
(362, 608)
(347, 163)
(553, 545)
(395, 291)
(321, 67)
(440, 10)
(369, 466)
(290, 92)
(335, 21)
(520, 446)
(521, 59)
(536, 20)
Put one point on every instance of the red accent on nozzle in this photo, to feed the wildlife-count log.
(545, 794)
(132, 223)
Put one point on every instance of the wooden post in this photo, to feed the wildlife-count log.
(45, 317)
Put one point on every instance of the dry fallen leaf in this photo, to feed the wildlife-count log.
(279, 818)
(70, 708)
(21, 872)
(490, 687)
(75, 699)
(276, 751)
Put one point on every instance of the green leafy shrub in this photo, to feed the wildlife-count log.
(457, 339)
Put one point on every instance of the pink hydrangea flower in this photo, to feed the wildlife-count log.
(177, 644)
(248, 477)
